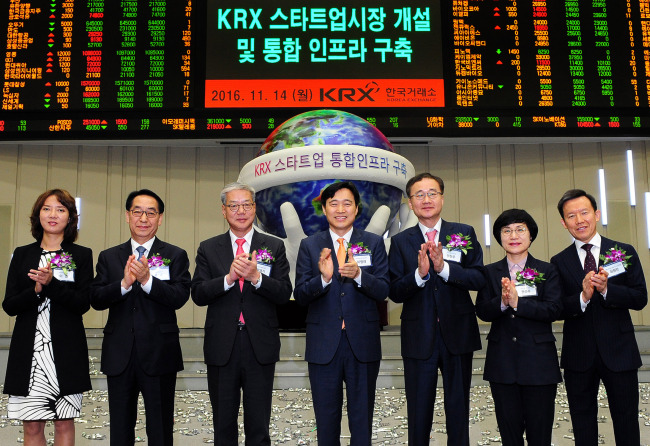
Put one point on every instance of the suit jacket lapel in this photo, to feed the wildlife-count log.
(326, 242)
(531, 262)
(605, 245)
(574, 264)
(502, 268)
(224, 252)
(34, 256)
(256, 242)
(125, 252)
(445, 230)
(355, 237)
(157, 247)
(415, 237)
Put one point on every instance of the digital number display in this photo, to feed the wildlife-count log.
(132, 69)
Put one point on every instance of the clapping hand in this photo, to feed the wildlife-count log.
(509, 295)
(350, 269)
(42, 276)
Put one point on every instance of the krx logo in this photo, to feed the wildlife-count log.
(346, 94)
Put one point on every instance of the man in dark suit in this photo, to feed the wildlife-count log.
(142, 283)
(598, 342)
(242, 341)
(343, 342)
(433, 265)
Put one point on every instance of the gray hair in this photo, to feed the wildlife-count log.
(236, 186)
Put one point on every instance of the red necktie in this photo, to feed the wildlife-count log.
(431, 235)
(240, 250)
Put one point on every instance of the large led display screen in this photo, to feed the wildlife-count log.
(130, 69)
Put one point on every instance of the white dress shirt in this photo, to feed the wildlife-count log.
(444, 274)
(335, 243)
(146, 287)
(248, 237)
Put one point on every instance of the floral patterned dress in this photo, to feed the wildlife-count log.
(44, 401)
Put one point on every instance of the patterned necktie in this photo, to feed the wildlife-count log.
(340, 254)
(141, 250)
(431, 235)
(240, 250)
(590, 261)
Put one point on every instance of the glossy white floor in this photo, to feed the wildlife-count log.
(293, 422)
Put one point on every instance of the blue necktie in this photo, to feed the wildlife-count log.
(141, 250)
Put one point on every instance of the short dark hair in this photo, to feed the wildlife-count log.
(514, 216)
(422, 176)
(572, 194)
(333, 188)
(66, 199)
(147, 192)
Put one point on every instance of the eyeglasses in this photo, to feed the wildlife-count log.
(521, 230)
(137, 213)
(235, 207)
(431, 194)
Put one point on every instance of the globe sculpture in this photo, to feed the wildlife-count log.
(314, 149)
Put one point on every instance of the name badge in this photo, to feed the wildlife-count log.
(453, 256)
(62, 276)
(160, 272)
(264, 268)
(614, 269)
(524, 290)
(363, 259)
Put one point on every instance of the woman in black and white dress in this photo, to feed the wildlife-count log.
(48, 292)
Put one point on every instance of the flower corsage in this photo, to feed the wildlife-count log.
(615, 261)
(157, 260)
(159, 267)
(264, 258)
(361, 254)
(265, 255)
(614, 255)
(529, 276)
(359, 248)
(64, 262)
(458, 242)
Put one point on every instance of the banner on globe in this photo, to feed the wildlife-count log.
(311, 163)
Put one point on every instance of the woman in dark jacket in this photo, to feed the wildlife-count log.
(521, 300)
(48, 292)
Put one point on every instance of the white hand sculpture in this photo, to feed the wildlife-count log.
(376, 225)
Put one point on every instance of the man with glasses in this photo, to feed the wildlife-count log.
(433, 265)
(242, 276)
(142, 283)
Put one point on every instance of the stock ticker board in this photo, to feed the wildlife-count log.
(131, 69)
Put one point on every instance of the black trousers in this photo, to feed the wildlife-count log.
(622, 395)
(327, 392)
(421, 380)
(243, 374)
(158, 395)
(522, 408)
